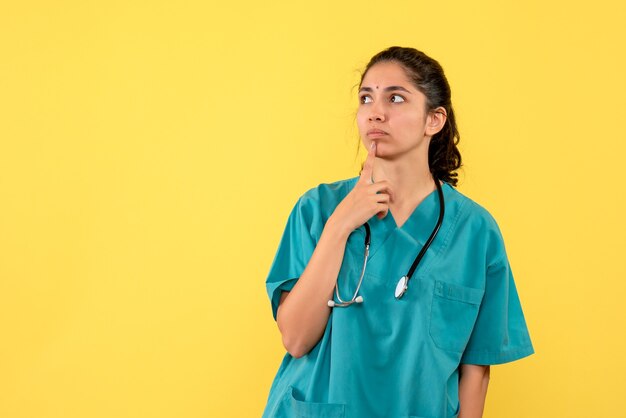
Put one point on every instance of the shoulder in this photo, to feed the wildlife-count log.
(477, 213)
(326, 196)
(483, 226)
(318, 203)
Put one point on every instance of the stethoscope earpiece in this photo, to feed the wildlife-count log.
(332, 303)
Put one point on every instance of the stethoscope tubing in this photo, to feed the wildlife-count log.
(442, 210)
(358, 299)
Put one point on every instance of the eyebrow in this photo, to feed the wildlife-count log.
(390, 88)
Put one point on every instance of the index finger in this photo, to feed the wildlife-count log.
(368, 167)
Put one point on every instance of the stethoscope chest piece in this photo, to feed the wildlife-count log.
(402, 286)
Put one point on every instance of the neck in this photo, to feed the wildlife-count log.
(410, 178)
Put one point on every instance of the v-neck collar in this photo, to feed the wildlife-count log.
(410, 221)
(418, 226)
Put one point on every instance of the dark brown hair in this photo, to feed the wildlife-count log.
(427, 75)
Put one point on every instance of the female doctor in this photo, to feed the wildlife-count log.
(392, 290)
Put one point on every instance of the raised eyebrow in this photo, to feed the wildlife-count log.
(390, 88)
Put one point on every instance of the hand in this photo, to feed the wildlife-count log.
(366, 199)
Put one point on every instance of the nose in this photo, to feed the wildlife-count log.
(376, 113)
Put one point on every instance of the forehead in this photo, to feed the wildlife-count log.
(387, 73)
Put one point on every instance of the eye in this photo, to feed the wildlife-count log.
(398, 98)
(364, 99)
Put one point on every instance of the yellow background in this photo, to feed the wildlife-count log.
(150, 153)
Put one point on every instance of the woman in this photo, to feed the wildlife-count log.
(412, 336)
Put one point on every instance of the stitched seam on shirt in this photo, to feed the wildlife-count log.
(501, 260)
(479, 351)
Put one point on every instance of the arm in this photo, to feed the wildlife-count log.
(473, 390)
(303, 312)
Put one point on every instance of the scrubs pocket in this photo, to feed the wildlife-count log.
(302, 409)
(453, 314)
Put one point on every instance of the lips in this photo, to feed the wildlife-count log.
(376, 132)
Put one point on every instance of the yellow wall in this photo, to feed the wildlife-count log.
(150, 153)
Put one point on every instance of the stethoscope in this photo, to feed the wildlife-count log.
(403, 283)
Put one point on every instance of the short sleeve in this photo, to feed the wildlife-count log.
(294, 251)
(500, 334)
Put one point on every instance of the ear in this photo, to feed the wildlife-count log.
(435, 120)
